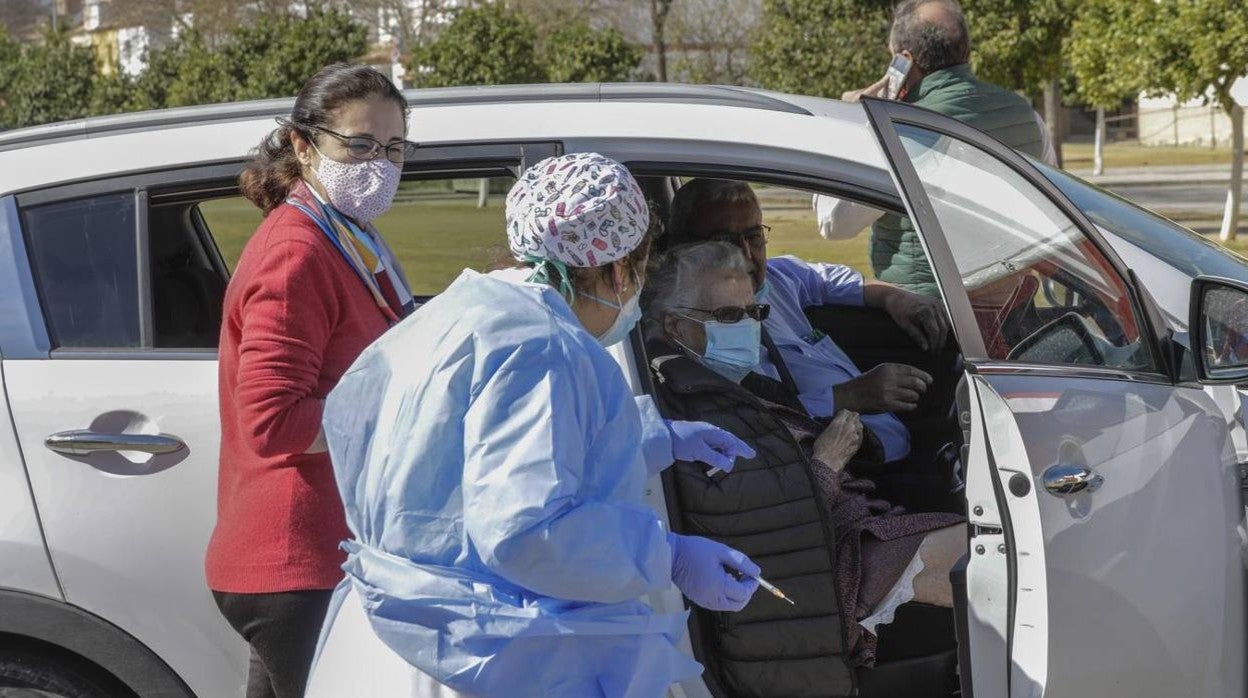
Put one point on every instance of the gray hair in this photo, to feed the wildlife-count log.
(675, 281)
(935, 45)
(695, 194)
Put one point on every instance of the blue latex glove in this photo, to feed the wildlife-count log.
(698, 569)
(707, 443)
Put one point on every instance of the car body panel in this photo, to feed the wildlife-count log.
(1145, 574)
(26, 565)
(1144, 594)
(127, 532)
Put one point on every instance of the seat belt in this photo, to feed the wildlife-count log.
(773, 353)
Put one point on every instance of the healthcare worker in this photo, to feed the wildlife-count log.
(492, 462)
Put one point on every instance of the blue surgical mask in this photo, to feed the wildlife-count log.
(732, 350)
(625, 320)
(760, 296)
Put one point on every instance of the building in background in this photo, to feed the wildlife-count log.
(1164, 121)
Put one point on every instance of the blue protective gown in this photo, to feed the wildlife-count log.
(490, 458)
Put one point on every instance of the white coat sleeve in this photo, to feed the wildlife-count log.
(656, 438)
(840, 219)
(526, 436)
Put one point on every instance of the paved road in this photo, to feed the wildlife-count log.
(1194, 195)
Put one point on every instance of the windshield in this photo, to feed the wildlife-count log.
(1177, 246)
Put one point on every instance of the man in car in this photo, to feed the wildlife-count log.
(825, 378)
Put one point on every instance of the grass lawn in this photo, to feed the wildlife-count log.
(1079, 155)
(436, 239)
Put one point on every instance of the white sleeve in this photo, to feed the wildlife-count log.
(1049, 153)
(840, 219)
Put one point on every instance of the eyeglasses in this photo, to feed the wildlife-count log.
(730, 314)
(754, 237)
(366, 148)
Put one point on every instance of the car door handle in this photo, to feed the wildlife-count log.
(1071, 479)
(84, 443)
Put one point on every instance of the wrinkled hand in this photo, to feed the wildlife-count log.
(885, 388)
(921, 317)
(707, 443)
(840, 441)
(698, 570)
(876, 89)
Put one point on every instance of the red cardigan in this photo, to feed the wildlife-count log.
(296, 316)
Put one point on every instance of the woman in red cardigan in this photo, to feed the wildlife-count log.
(314, 286)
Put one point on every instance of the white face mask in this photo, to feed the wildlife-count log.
(625, 320)
(361, 190)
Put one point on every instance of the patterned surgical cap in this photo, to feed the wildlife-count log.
(580, 210)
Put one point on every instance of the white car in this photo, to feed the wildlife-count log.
(1105, 548)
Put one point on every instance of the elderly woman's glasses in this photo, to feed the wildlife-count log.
(730, 314)
(754, 237)
(366, 148)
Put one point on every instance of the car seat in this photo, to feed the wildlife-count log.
(187, 304)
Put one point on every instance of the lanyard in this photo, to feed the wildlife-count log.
(336, 234)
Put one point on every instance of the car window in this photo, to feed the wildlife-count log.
(1041, 291)
(85, 261)
(437, 228)
(1190, 253)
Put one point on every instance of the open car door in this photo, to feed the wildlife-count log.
(1102, 492)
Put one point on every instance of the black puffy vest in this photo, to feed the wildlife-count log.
(768, 509)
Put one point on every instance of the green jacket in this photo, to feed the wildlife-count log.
(896, 253)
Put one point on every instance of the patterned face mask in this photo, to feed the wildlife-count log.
(361, 190)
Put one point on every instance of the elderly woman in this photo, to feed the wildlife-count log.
(812, 528)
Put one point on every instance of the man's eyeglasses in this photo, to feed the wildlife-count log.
(754, 237)
(366, 148)
(730, 314)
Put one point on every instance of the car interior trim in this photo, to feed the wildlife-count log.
(23, 332)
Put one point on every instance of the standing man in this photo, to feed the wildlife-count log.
(934, 36)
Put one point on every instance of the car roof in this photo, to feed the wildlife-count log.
(102, 146)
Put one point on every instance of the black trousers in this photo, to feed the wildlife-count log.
(282, 629)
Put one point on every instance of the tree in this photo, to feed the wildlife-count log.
(202, 75)
(486, 45)
(1018, 44)
(10, 55)
(820, 47)
(1110, 57)
(1201, 51)
(111, 94)
(274, 55)
(713, 39)
(659, 10)
(50, 81)
(19, 18)
(578, 53)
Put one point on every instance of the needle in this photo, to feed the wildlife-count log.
(774, 591)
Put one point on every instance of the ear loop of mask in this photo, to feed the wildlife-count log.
(681, 344)
(618, 304)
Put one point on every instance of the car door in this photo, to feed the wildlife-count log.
(120, 431)
(1102, 494)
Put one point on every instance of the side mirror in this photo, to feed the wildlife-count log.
(1218, 330)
